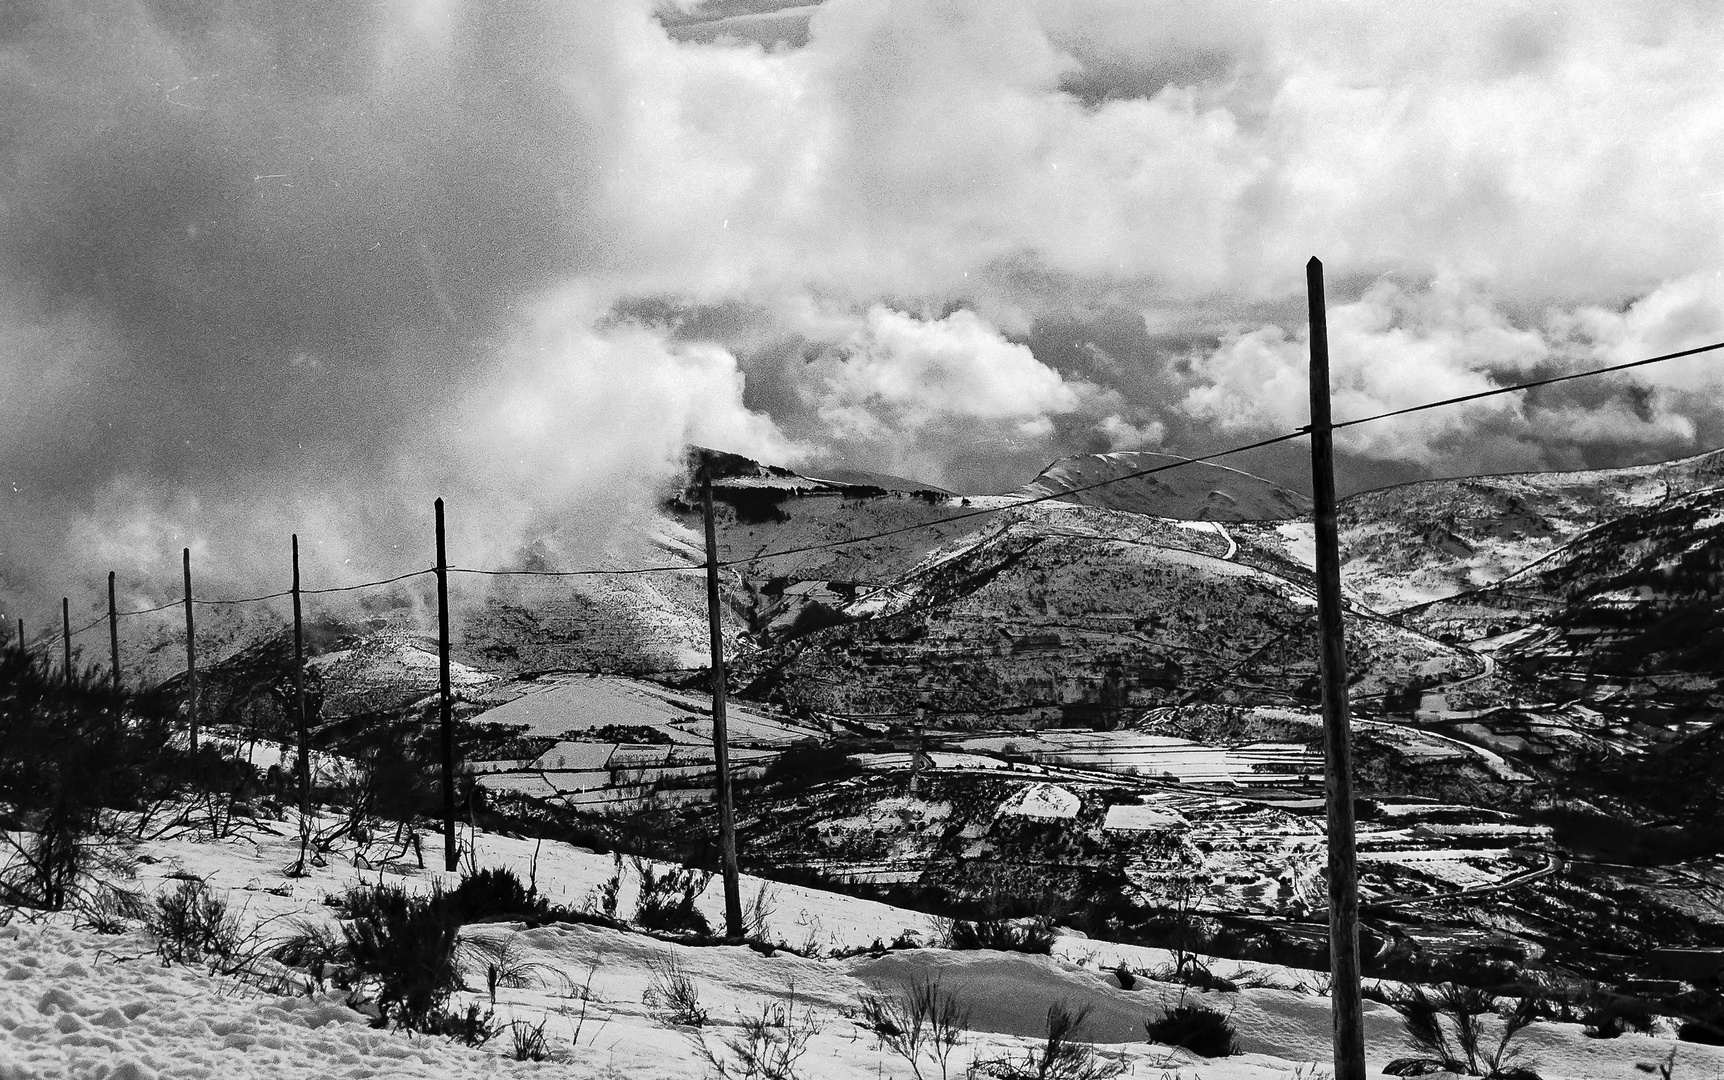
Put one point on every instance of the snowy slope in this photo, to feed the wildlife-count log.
(1201, 491)
(79, 1004)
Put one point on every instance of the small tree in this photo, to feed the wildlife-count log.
(922, 1018)
(1443, 1025)
(1180, 884)
(1062, 1055)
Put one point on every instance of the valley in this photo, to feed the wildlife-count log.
(1102, 709)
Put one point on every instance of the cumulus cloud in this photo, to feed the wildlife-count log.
(286, 267)
(1123, 435)
(899, 372)
(1395, 348)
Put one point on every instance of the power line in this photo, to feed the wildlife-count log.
(963, 516)
(1303, 431)
(363, 585)
(241, 600)
(152, 610)
(1535, 383)
(579, 573)
(1031, 501)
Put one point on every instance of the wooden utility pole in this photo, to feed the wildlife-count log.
(451, 855)
(1337, 725)
(113, 634)
(304, 769)
(733, 927)
(66, 636)
(191, 654)
(916, 752)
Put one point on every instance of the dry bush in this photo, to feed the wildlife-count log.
(672, 995)
(768, 1046)
(1062, 1055)
(922, 1018)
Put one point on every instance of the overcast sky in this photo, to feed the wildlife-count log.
(272, 266)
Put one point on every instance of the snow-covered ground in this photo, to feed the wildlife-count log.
(79, 1004)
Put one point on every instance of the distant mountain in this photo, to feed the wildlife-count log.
(1419, 542)
(1630, 610)
(1200, 491)
(1063, 614)
(860, 593)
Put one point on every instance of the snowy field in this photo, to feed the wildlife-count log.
(79, 1004)
(559, 704)
(1136, 753)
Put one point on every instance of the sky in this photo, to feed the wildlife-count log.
(268, 268)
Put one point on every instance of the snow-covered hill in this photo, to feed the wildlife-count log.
(1201, 491)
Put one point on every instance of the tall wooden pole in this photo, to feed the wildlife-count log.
(191, 654)
(66, 636)
(451, 856)
(1337, 725)
(113, 634)
(299, 690)
(733, 925)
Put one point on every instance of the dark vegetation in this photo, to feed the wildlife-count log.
(630, 734)
(85, 772)
(1062, 1055)
(1442, 1025)
(1194, 1027)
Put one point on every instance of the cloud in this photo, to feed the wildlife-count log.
(1395, 348)
(899, 372)
(301, 268)
(1122, 435)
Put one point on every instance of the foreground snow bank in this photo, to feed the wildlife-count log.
(74, 1004)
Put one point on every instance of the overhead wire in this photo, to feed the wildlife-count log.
(363, 585)
(962, 516)
(1133, 475)
(1015, 504)
(1530, 385)
(591, 572)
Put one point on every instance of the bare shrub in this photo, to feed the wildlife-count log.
(758, 911)
(1023, 935)
(528, 1041)
(406, 947)
(768, 1045)
(603, 900)
(1062, 1055)
(672, 995)
(192, 923)
(667, 899)
(1443, 1025)
(1204, 1031)
(472, 1027)
(505, 963)
(107, 908)
(580, 998)
(922, 1018)
(318, 950)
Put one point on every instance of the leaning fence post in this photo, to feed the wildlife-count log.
(113, 634)
(733, 924)
(66, 636)
(304, 769)
(451, 855)
(191, 654)
(1349, 1030)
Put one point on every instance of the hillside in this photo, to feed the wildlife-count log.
(1419, 542)
(1201, 491)
(1513, 727)
(1055, 608)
